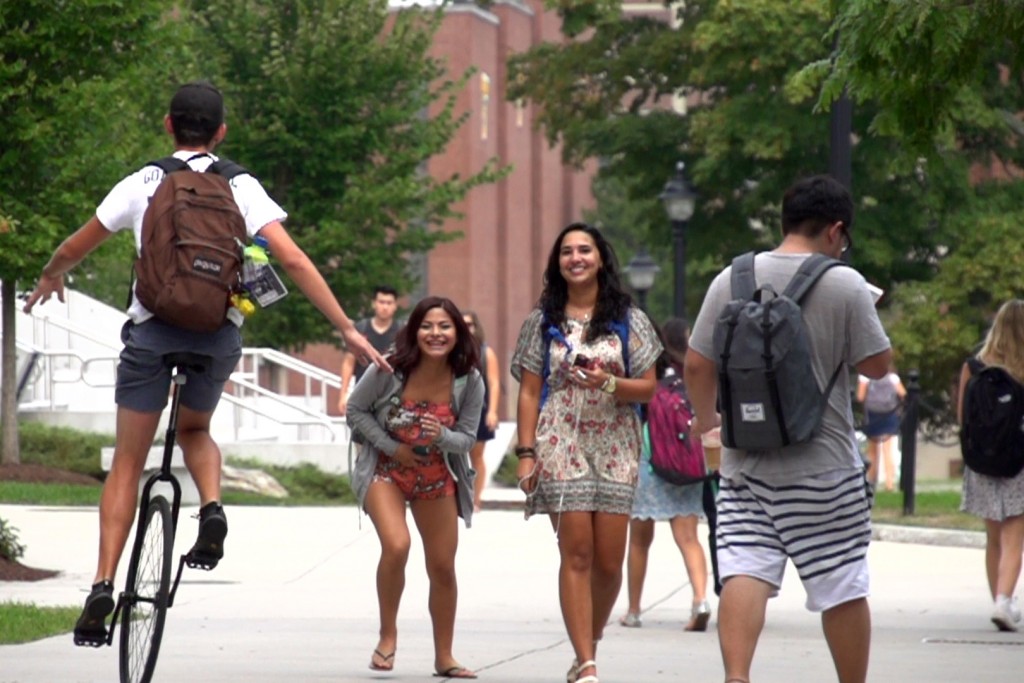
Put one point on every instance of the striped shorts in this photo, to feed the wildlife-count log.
(822, 523)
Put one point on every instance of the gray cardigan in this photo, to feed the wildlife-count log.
(368, 406)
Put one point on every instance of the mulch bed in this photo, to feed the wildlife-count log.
(41, 474)
(14, 571)
(28, 472)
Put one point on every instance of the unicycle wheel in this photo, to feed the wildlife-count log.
(145, 605)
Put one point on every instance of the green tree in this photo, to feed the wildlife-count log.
(919, 63)
(751, 130)
(338, 106)
(70, 90)
(759, 74)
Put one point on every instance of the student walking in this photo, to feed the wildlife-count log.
(380, 330)
(419, 424)
(806, 502)
(660, 500)
(999, 500)
(584, 357)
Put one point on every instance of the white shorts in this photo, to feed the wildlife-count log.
(822, 523)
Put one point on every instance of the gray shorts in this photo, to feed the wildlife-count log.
(144, 380)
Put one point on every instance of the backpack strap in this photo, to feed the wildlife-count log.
(550, 332)
(813, 267)
(227, 169)
(742, 278)
(809, 272)
(169, 164)
(975, 365)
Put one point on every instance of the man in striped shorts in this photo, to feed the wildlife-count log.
(807, 502)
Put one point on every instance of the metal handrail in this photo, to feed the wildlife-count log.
(238, 383)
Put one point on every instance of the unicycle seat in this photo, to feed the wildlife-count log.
(190, 362)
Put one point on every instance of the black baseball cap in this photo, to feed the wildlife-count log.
(198, 102)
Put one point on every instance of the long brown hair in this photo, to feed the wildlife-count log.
(463, 358)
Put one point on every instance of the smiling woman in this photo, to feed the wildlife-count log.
(419, 425)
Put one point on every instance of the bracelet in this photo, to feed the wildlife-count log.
(609, 385)
(525, 452)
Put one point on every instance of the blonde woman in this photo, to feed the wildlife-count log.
(999, 500)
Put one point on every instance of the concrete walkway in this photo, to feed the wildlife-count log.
(294, 600)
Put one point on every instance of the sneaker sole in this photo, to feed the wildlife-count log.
(93, 633)
(1004, 624)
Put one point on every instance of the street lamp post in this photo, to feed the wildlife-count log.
(679, 200)
(642, 270)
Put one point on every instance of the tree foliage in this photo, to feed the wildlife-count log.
(338, 113)
(919, 63)
(750, 130)
(757, 74)
(65, 67)
(336, 105)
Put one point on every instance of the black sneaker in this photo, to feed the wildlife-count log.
(91, 627)
(209, 546)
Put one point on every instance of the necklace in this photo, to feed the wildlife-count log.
(580, 315)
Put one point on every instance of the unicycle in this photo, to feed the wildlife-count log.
(142, 606)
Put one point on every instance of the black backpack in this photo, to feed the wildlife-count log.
(992, 429)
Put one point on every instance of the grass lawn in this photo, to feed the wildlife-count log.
(29, 493)
(23, 623)
(937, 509)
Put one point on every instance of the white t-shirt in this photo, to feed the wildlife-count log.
(843, 327)
(125, 205)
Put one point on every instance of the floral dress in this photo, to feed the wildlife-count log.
(588, 443)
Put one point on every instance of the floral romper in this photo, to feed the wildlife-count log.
(588, 443)
(430, 478)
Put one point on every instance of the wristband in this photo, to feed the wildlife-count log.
(525, 452)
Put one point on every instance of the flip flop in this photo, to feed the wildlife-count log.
(389, 661)
(455, 672)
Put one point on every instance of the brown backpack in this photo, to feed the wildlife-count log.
(193, 234)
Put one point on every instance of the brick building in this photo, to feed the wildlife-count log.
(508, 227)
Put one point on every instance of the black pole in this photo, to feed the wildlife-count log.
(908, 442)
(641, 299)
(679, 269)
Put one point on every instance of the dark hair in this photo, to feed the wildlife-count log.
(478, 327)
(674, 334)
(385, 289)
(813, 203)
(197, 113)
(463, 358)
(613, 301)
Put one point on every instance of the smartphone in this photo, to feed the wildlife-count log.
(582, 361)
(421, 450)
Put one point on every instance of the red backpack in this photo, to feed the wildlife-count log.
(676, 455)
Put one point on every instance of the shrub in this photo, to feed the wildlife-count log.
(9, 547)
(63, 448)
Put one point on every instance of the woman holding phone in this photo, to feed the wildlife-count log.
(419, 425)
(584, 358)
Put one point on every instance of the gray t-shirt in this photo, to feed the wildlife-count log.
(843, 327)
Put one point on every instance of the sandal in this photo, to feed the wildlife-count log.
(631, 620)
(456, 671)
(700, 615)
(388, 661)
(592, 678)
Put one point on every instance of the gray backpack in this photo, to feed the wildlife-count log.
(768, 396)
